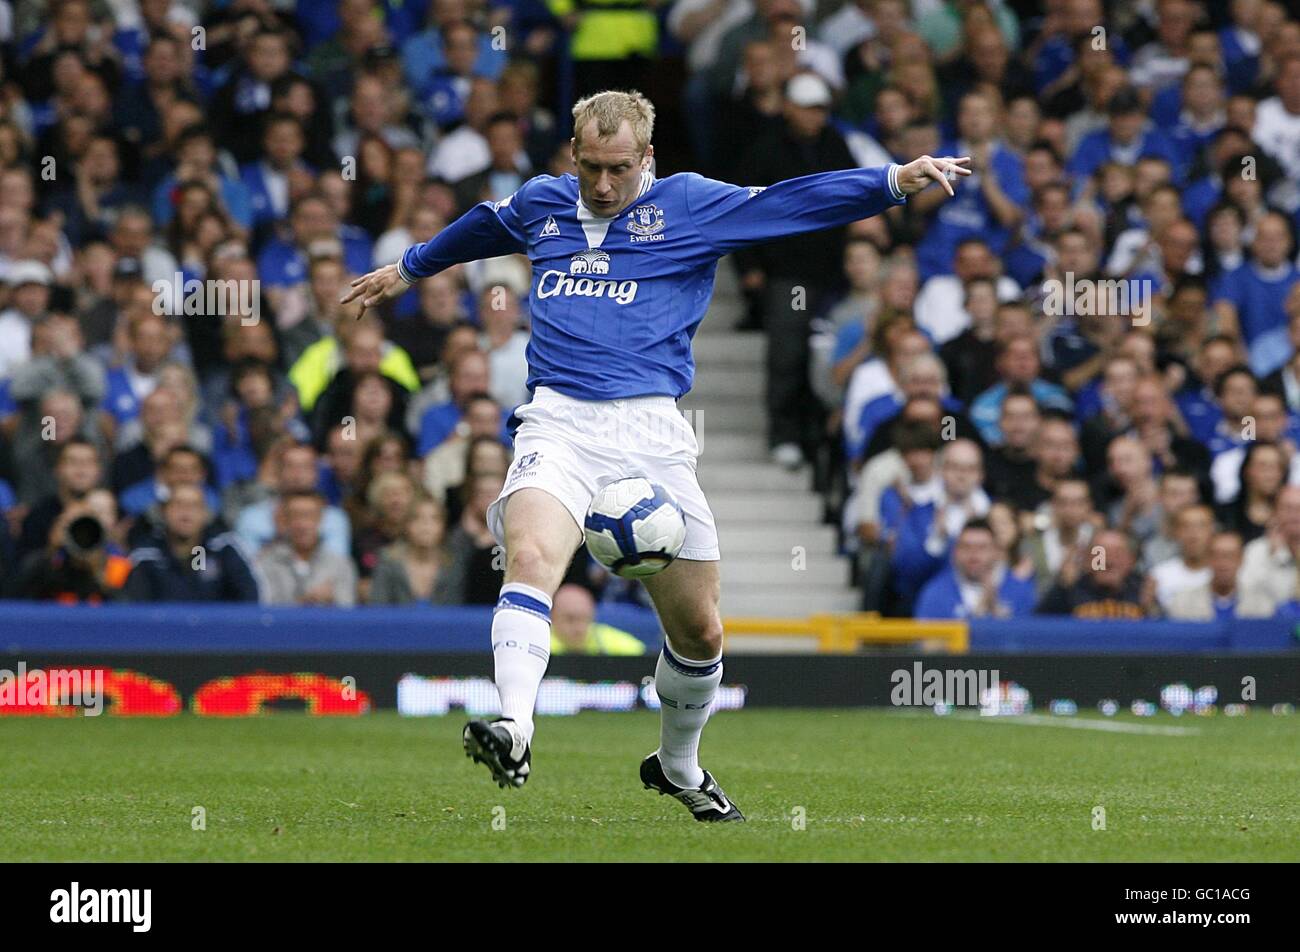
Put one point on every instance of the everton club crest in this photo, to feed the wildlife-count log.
(646, 223)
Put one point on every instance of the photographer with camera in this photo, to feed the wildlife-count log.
(81, 564)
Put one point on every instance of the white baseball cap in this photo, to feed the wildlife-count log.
(28, 272)
(808, 89)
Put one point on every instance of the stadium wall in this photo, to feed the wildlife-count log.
(243, 683)
(242, 660)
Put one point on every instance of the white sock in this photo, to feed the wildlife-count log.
(521, 646)
(685, 690)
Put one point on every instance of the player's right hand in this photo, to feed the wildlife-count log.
(382, 284)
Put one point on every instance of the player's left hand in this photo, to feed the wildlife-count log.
(917, 174)
(382, 284)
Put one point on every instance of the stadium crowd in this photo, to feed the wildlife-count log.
(1074, 388)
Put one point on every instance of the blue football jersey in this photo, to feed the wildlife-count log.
(616, 300)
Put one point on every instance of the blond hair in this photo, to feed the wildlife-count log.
(609, 110)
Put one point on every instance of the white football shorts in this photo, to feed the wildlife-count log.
(570, 448)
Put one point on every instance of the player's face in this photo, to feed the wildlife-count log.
(609, 169)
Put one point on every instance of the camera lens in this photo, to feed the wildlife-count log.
(85, 534)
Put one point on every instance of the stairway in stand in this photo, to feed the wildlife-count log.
(778, 558)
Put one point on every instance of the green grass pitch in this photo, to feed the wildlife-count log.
(869, 785)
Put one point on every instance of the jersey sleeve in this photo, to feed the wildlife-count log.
(488, 230)
(732, 216)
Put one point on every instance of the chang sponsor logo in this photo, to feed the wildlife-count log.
(558, 284)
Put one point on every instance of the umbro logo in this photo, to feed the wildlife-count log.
(550, 229)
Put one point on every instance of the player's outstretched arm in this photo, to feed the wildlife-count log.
(487, 230)
(917, 174)
(382, 284)
(729, 217)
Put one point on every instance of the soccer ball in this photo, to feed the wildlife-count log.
(634, 527)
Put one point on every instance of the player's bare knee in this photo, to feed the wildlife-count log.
(698, 640)
(527, 562)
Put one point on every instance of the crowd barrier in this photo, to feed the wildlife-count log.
(201, 628)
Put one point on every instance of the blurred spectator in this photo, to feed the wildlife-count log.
(574, 629)
(900, 343)
(1178, 489)
(445, 467)
(251, 422)
(990, 205)
(293, 469)
(1060, 533)
(180, 464)
(1055, 453)
(1010, 469)
(343, 465)
(978, 584)
(418, 569)
(424, 335)
(29, 297)
(923, 378)
(1133, 506)
(326, 277)
(1227, 595)
(80, 562)
(794, 275)
(242, 102)
(473, 546)
(1018, 366)
(970, 356)
(1099, 582)
(388, 509)
(187, 563)
(504, 340)
(164, 420)
(1273, 425)
(1260, 475)
(297, 567)
(38, 442)
(58, 362)
(465, 151)
(1193, 528)
(240, 341)
(1252, 297)
(923, 521)
(506, 167)
(1270, 561)
(77, 472)
(149, 343)
(328, 371)
(470, 377)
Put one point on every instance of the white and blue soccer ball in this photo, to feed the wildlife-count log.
(634, 527)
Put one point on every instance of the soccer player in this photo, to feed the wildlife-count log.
(623, 267)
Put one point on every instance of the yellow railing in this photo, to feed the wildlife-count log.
(845, 632)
